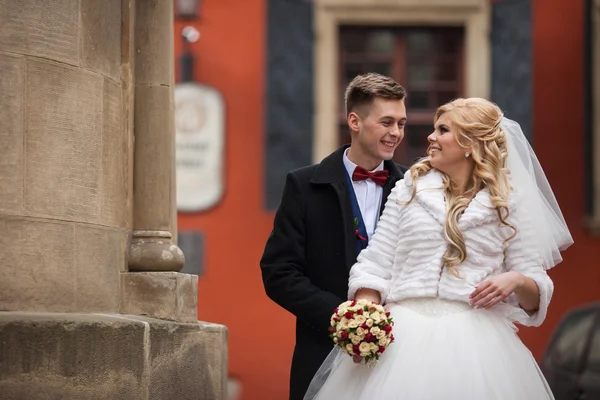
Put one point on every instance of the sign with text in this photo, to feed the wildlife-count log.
(200, 132)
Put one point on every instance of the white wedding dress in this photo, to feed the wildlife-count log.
(443, 350)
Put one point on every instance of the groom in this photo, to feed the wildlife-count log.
(327, 214)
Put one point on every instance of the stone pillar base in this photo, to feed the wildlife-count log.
(163, 295)
(47, 356)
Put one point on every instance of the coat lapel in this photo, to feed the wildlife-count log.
(331, 172)
(481, 210)
(395, 174)
(430, 195)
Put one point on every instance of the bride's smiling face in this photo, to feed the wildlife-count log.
(445, 154)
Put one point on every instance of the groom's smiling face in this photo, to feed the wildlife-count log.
(378, 129)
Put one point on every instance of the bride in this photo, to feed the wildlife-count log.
(460, 255)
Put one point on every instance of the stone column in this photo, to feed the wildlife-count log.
(74, 322)
(153, 243)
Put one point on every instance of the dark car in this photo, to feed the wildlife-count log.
(572, 360)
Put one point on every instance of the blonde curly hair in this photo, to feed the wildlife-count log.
(476, 126)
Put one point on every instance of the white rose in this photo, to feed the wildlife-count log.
(375, 330)
(343, 324)
(374, 348)
(360, 319)
(369, 322)
(383, 341)
(355, 340)
(381, 335)
(353, 324)
(360, 331)
(364, 347)
(335, 339)
(349, 349)
(375, 317)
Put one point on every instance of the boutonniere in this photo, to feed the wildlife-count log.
(356, 229)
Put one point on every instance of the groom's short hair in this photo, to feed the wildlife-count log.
(364, 88)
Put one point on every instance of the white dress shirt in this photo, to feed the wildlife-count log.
(368, 194)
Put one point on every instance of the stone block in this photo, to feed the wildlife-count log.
(41, 29)
(73, 357)
(115, 159)
(97, 266)
(153, 43)
(163, 295)
(101, 37)
(11, 133)
(63, 119)
(110, 357)
(36, 265)
(188, 361)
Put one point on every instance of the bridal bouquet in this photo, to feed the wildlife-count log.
(362, 329)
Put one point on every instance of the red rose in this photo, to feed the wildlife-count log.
(344, 335)
(349, 315)
(369, 337)
(336, 319)
(365, 326)
(353, 303)
(387, 329)
(356, 349)
(387, 314)
(381, 349)
(392, 338)
(335, 311)
(331, 329)
(360, 312)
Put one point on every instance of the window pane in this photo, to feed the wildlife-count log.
(352, 70)
(418, 100)
(381, 68)
(571, 340)
(447, 71)
(380, 41)
(593, 364)
(353, 41)
(416, 141)
(444, 97)
(420, 41)
(419, 73)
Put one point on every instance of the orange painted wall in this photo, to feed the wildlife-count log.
(231, 58)
(558, 115)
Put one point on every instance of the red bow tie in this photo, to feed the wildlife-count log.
(379, 177)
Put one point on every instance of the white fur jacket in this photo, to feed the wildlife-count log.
(404, 256)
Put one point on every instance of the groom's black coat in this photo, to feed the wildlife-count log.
(308, 256)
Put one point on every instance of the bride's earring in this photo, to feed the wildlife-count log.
(467, 154)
